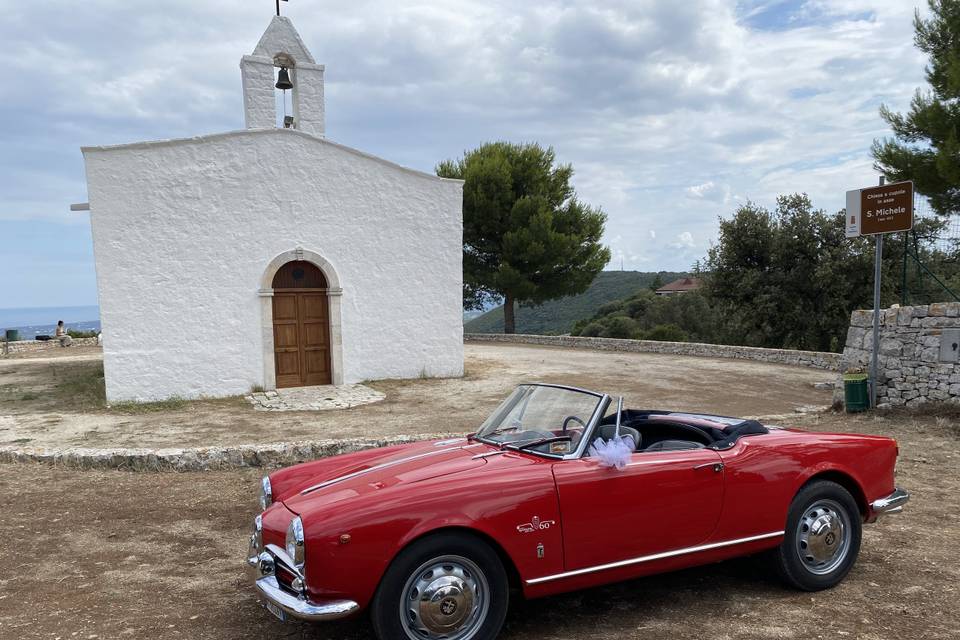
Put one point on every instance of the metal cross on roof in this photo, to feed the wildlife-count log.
(278, 6)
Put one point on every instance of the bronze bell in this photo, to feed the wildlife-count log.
(283, 79)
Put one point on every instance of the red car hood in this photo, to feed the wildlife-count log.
(347, 476)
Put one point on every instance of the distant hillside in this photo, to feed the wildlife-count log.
(558, 316)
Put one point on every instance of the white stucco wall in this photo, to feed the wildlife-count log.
(281, 41)
(183, 231)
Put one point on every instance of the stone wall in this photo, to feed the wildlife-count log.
(9, 348)
(814, 359)
(910, 371)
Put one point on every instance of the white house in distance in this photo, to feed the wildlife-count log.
(271, 256)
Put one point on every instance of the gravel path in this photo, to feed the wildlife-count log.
(731, 387)
(157, 556)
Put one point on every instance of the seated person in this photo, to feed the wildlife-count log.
(63, 336)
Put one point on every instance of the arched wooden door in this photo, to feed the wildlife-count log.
(301, 326)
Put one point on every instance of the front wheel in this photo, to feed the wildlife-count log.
(448, 586)
(822, 539)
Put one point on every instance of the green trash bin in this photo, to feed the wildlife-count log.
(856, 392)
(12, 335)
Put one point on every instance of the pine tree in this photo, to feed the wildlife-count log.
(927, 145)
(526, 236)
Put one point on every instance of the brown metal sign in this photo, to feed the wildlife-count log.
(886, 209)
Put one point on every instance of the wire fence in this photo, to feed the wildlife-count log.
(948, 240)
(932, 258)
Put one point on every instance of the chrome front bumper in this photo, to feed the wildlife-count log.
(892, 503)
(269, 590)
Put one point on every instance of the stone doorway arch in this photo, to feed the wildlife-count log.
(331, 290)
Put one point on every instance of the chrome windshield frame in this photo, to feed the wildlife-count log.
(603, 401)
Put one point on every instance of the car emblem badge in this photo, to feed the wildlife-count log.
(535, 524)
(448, 607)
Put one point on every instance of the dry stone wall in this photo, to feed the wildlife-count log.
(20, 346)
(914, 366)
(814, 359)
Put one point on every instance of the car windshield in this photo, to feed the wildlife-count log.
(533, 413)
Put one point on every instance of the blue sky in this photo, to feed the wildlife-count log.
(672, 113)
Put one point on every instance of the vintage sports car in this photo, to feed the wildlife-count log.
(559, 489)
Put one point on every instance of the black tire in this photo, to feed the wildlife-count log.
(456, 552)
(809, 558)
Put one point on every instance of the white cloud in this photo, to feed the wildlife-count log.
(709, 191)
(684, 241)
(645, 98)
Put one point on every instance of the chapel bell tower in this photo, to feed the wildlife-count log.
(281, 62)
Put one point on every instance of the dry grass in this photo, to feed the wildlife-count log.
(79, 387)
(946, 415)
(135, 408)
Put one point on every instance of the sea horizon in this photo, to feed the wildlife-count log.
(34, 321)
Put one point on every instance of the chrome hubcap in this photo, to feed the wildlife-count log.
(444, 598)
(823, 537)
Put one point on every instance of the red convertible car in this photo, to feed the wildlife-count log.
(432, 537)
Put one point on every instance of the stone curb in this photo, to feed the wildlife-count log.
(204, 458)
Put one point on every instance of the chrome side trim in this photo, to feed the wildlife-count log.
(892, 503)
(655, 556)
(269, 589)
(480, 456)
(377, 467)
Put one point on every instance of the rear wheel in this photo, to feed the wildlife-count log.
(822, 538)
(450, 586)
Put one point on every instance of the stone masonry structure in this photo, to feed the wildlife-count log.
(918, 356)
(813, 359)
(20, 346)
(271, 256)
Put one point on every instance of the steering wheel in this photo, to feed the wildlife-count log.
(575, 419)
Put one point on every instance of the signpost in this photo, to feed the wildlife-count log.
(876, 211)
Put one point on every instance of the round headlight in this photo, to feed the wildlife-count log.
(266, 493)
(295, 542)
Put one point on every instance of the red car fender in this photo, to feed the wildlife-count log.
(842, 474)
(514, 508)
(869, 475)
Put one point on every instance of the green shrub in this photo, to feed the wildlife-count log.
(610, 308)
(592, 330)
(81, 334)
(620, 327)
(636, 308)
(666, 333)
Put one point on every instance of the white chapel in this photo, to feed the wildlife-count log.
(271, 256)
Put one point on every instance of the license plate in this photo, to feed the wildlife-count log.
(277, 611)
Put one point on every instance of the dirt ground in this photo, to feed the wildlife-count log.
(56, 400)
(151, 556)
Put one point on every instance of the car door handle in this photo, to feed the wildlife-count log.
(717, 466)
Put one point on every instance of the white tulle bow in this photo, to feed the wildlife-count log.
(614, 452)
